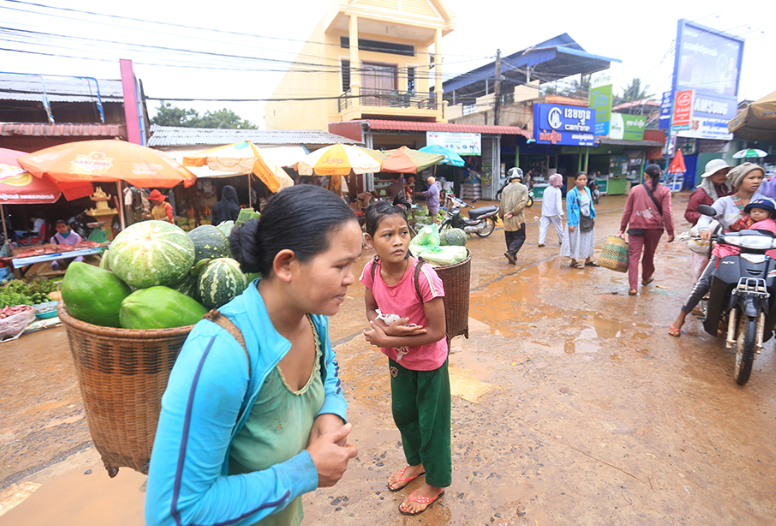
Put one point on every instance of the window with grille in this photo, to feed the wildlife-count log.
(345, 73)
(411, 70)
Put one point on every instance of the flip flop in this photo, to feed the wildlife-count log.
(577, 265)
(632, 292)
(645, 283)
(673, 331)
(591, 264)
(428, 501)
(402, 479)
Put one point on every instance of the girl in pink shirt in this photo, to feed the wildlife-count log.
(405, 308)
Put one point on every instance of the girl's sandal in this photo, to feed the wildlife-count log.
(673, 331)
(402, 479)
(428, 501)
(591, 264)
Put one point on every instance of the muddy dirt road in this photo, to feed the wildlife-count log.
(571, 405)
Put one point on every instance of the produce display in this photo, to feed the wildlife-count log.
(104, 263)
(93, 295)
(226, 227)
(18, 292)
(246, 214)
(453, 237)
(159, 308)
(209, 243)
(7, 311)
(151, 253)
(220, 282)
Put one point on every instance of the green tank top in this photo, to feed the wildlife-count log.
(277, 429)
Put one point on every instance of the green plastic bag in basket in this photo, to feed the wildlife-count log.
(614, 256)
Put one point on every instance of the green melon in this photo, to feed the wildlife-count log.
(104, 263)
(152, 253)
(93, 295)
(221, 282)
(187, 286)
(159, 308)
(209, 243)
(226, 227)
(453, 237)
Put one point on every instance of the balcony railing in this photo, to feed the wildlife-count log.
(389, 99)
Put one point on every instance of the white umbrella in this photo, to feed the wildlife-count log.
(749, 153)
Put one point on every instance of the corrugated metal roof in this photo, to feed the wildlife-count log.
(175, 136)
(63, 130)
(447, 127)
(59, 89)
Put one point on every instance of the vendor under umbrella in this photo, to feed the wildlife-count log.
(162, 210)
(64, 236)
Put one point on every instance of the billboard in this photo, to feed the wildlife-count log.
(560, 124)
(707, 63)
(627, 127)
(460, 143)
(601, 100)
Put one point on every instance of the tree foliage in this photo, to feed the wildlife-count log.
(169, 115)
(633, 92)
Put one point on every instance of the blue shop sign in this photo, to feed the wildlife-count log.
(665, 110)
(569, 125)
(711, 106)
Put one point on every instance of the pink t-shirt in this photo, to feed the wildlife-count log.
(769, 224)
(402, 299)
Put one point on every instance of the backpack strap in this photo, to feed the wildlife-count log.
(228, 325)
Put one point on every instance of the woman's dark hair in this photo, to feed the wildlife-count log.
(654, 172)
(300, 218)
(379, 210)
(580, 173)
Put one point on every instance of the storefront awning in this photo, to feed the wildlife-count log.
(623, 142)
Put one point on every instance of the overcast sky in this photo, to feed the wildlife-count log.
(641, 34)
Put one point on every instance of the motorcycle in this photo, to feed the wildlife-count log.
(79, 225)
(481, 221)
(596, 192)
(741, 297)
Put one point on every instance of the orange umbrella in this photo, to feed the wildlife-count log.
(107, 161)
(677, 165)
(19, 187)
(408, 161)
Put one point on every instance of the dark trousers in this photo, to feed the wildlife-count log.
(515, 240)
(420, 402)
(701, 288)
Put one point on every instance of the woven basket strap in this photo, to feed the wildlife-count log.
(229, 326)
(418, 268)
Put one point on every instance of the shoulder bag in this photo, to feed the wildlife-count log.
(586, 223)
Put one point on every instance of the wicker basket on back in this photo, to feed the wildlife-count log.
(456, 279)
(122, 374)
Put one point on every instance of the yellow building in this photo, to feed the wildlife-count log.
(366, 59)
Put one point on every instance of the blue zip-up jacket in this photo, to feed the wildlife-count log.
(572, 206)
(207, 401)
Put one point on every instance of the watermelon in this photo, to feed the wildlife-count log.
(453, 236)
(187, 286)
(220, 283)
(104, 263)
(159, 308)
(209, 243)
(226, 227)
(93, 295)
(152, 253)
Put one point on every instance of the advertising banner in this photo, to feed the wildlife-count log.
(682, 110)
(460, 143)
(601, 100)
(708, 63)
(559, 124)
(701, 128)
(665, 110)
(627, 127)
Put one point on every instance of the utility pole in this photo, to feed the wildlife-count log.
(497, 88)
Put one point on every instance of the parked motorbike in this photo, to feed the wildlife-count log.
(740, 301)
(481, 221)
(80, 226)
(596, 192)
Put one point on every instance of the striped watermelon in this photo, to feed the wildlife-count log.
(209, 243)
(453, 237)
(151, 253)
(221, 282)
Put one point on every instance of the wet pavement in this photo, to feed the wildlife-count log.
(571, 405)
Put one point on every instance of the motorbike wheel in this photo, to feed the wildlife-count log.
(745, 348)
(488, 230)
(529, 204)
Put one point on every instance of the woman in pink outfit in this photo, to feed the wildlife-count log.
(647, 212)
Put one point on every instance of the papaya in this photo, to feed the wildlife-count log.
(159, 308)
(93, 295)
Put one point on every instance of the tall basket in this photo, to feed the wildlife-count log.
(457, 280)
(122, 374)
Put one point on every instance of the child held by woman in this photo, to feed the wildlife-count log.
(405, 308)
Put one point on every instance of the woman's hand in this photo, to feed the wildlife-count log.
(671, 239)
(572, 228)
(401, 328)
(330, 459)
(326, 423)
(376, 336)
(706, 235)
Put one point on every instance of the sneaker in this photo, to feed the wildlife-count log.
(511, 258)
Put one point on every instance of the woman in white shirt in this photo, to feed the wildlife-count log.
(552, 210)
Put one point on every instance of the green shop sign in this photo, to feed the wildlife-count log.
(627, 127)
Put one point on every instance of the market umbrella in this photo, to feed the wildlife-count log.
(242, 158)
(409, 161)
(749, 153)
(18, 186)
(377, 154)
(677, 164)
(757, 122)
(107, 161)
(450, 157)
(338, 159)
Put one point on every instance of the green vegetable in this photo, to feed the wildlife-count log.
(159, 308)
(453, 236)
(209, 243)
(93, 295)
(220, 283)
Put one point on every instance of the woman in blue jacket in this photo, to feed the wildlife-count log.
(246, 430)
(579, 236)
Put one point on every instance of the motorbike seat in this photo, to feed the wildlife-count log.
(474, 213)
